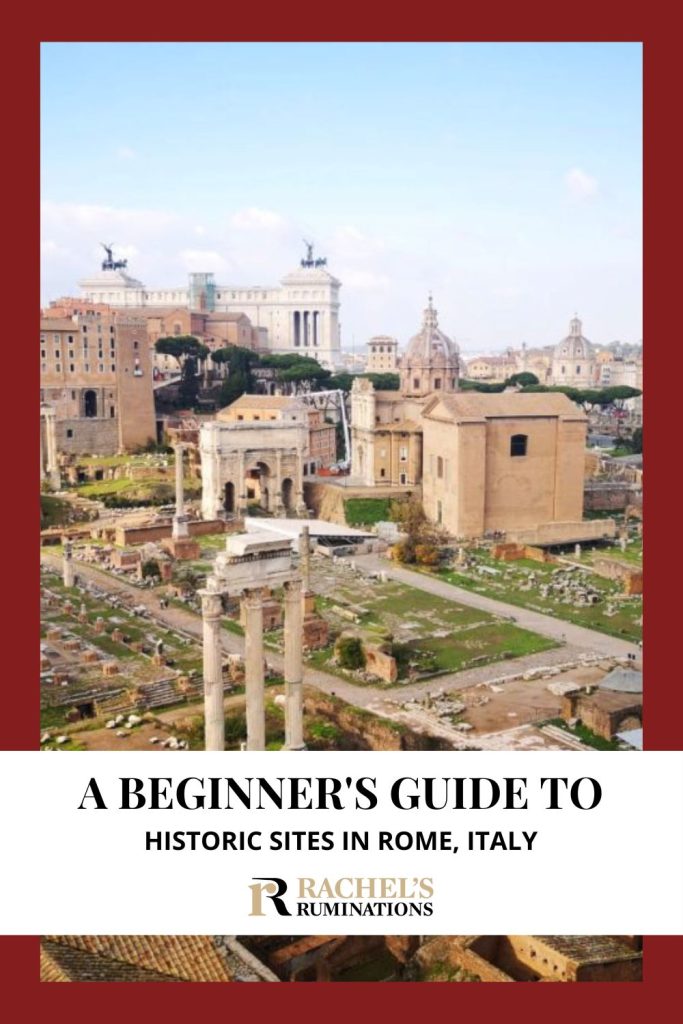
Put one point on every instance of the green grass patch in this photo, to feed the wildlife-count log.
(584, 734)
(366, 511)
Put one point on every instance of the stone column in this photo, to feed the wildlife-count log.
(67, 565)
(51, 442)
(294, 713)
(279, 506)
(301, 509)
(179, 519)
(305, 557)
(241, 486)
(42, 454)
(214, 718)
(253, 670)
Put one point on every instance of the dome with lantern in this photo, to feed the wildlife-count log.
(574, 358)
(431, 361)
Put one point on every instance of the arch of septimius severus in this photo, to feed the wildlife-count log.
(251, 462)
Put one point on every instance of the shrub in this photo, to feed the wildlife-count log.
(427, 554)
(350, 652)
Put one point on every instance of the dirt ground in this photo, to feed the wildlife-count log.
(520, 702)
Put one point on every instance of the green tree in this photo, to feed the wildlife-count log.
(384, 381)
(523, 379)
(182, 347)
(239, 363)
(637, 441)
(187, 351)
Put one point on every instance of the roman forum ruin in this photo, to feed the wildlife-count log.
(250, 564)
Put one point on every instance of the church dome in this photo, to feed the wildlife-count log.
(431, 361)
(431, 347)
(574, 346)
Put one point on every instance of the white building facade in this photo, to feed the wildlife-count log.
(301, 315)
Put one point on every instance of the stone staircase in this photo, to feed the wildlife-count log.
(156, 695)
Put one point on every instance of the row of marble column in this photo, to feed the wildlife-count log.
(51, 471)
(254, 665)
(307, 328)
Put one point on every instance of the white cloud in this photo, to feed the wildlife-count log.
(507, 291)
(126, 153)
(93, 217)
(363, 280)
(199, 260)
(579, 184)
(254, 217)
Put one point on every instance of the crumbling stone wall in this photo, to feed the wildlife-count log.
(511, 552)
(605, 722)
(365, 731)
(604, 496)
(380, 663)
(631, 578)
(126, 535)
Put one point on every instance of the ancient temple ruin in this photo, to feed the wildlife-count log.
(251, 565)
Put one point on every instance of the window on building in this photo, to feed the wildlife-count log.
(439, 512)
(437, 383)
(403, 453)
(112, 411)
(111, 329)
(439, 467)
(72, 368)
(113, 367)
(578, 369)
(562, 369)
(55, 338)
(518, 444)
(42, 353)
(73, 396)
(240, 417)
(382, 472)
(416, 382)
(87, 367)
(85, 329)
(69, 432)
(58, 368)
(70, 339)
(135, 344)
(403, 479)
(90, 404)
(57, 355)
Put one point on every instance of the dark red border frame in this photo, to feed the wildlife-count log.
(532, 21)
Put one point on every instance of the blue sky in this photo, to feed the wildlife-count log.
(505, 177)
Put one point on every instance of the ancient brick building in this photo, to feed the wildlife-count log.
(95, 374)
